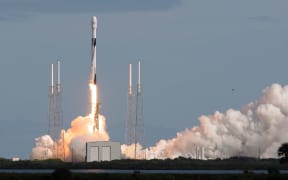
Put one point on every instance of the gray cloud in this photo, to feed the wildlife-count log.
(17, 8)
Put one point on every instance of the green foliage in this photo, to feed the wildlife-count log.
(169, 164)
(62, 174)
(283, 153)
(146, 176)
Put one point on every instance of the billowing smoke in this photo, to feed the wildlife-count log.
(75, 139)
(255, 131)
(44, 147)
(71, 146)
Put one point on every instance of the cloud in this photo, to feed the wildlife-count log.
(17, 8)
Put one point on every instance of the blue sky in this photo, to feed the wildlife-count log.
(194, 53)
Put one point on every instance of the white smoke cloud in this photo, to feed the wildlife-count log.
(43, 148)
(71, 146)
(75, 139)
(255, 131)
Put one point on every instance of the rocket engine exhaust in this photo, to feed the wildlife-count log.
(91, 127)
(93, 78)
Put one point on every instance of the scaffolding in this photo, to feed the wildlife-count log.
(129, 129)
(139, 126)
(55, 114)
(51, 105)
(134, 129)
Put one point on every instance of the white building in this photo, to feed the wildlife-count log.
(14, 159)
(102, 151)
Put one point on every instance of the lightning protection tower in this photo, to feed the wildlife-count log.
(139, 119)
(129, 128)
(59, 114)
(55, 113)
(134, 129)
(51, 105)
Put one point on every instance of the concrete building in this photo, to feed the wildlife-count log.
(15, 159)
(102, 151)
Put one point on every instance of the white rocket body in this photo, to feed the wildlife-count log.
(93, 51)
(93, 77)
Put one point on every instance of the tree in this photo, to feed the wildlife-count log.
(62, 173)
(283, 153)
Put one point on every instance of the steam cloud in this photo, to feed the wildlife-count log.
(255, 131)
(75, 139)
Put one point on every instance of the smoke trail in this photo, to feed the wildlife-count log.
(255, 131)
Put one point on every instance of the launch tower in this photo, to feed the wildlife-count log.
(55, 112)
(134, 130)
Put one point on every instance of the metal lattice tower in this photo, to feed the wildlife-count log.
(55, 113)
(51, 105)
(129, 128)
(59, 114)
(134, 129)
(139, 120)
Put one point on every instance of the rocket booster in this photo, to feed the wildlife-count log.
(93, 77)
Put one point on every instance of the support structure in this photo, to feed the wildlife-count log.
(129, 128)
(59, 113)
(139, 123)
(134, 130)
(55, 113)
(51, 105)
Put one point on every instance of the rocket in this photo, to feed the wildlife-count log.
(93, 77)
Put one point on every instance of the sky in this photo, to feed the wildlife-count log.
(198, 57)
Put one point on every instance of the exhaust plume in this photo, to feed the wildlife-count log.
(257, 130)
(71, 145)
